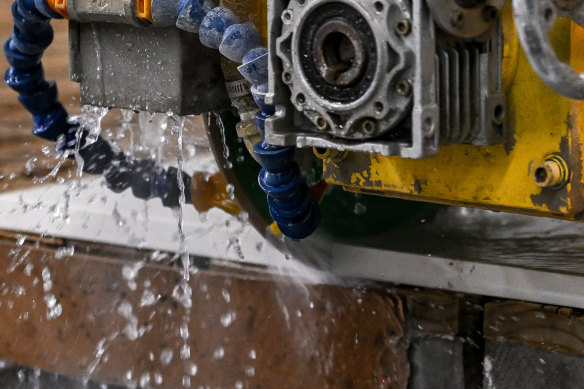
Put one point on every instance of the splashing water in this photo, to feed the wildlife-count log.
(178, 130)
(90, 120)
(101, 348)
(89, 124)
(53, 173)
(183, 292)
(226, 164)
(152, 128)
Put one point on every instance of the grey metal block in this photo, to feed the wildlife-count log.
(145, 69)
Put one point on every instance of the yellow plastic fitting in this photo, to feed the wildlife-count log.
(275, 229)
(60, 7)
(144, 10)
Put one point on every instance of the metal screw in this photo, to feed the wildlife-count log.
(456, 19)
(321, 123)
(368, 127)
(552, 173)
(403, 27)
(286, 77)
(403, 88)
(287, 16)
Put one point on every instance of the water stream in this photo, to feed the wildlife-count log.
(140, 308)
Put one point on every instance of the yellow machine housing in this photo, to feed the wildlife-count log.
(542, 126)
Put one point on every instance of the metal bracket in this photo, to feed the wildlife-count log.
(425, 114)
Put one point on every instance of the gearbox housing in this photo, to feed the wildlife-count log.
(383, 77)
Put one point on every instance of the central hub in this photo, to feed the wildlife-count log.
(339, 53)
(343, 63)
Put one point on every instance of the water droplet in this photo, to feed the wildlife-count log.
(166, 356)
(249, 371)
(186, 381)
(184, 331)
(54, 309)
(219, 353)
(47, 282)
(145, 380)
(359, 209)
(182, 293)
(63, 252)
(131, 330)
(228, 318)
(226, 296)
(148, 298)
(191, 368)
(185, 351)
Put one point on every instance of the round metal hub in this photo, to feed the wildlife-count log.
(344, 62)
(339, 53)
(339, 56)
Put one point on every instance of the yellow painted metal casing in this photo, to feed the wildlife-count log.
(541, 124)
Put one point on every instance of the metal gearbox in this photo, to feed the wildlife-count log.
(347, 71)
(383, 77)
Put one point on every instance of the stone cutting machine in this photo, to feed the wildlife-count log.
(460, 102)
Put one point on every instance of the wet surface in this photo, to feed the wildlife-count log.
(132, 323)
(492, 237)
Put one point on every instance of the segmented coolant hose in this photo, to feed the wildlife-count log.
(291, 205)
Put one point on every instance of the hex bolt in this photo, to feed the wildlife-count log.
(552, 173)
(321, 123)
(403, 27)
(403, 88)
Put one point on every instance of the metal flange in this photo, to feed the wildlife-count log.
(347, 66)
